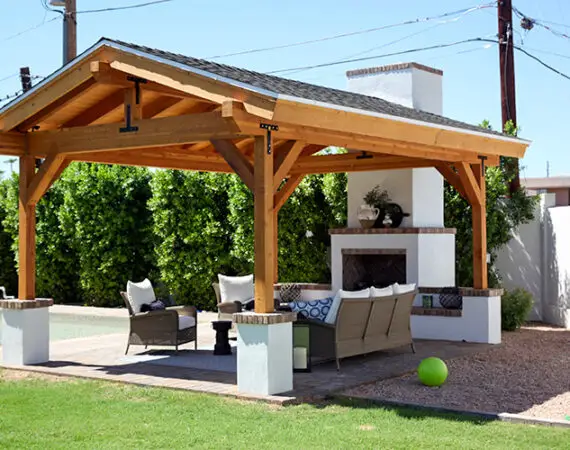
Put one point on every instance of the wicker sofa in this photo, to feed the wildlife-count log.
(363, 326)
(161, 327)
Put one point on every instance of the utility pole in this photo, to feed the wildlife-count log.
(70, 30)
(25, 79)
(507, 75)
(69, 27)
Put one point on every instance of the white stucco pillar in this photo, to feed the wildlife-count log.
(25, 331)
(264, 352)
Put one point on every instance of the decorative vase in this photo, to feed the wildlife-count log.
(395, 212)
(367, 215)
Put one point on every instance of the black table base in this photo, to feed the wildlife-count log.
(222, 327)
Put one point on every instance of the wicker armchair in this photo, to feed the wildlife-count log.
(161, 327)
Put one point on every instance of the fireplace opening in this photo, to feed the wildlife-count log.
(362, 268)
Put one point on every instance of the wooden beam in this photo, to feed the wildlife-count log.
(12, 143)
(42, 98)
(263, 227)
(286, 190)
(26, 233)
(190, 83)
(452, 178)
(285, 159)
(105, 106)
(237, 160)
(371, 143)
(151, 133)
(132, 105)
(44, 178)
(158, 158)
(479, 222)
(396, 129)
(276, 245)
(350, 162)
(469, 182)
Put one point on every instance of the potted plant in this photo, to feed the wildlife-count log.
(378, 198)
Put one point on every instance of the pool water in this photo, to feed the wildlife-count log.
(71, 326)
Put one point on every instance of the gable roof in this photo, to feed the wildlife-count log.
(277, 87)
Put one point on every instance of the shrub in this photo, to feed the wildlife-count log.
(515, 307)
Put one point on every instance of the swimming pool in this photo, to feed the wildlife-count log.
(72, 326)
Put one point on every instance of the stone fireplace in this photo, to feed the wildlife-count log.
(364, 268)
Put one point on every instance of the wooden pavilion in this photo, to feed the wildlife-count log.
(119, 103)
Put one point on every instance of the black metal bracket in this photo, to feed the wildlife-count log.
(364, 155)
(137, 82)
(269, 128)
(483, 159)
(128, 128)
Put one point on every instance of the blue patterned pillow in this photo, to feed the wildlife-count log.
(313, 309)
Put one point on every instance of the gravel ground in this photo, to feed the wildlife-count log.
(529, 375)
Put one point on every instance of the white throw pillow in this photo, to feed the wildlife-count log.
(403, 288)
(381, 292)
(235, 288)
(186, 322)
(331, 316)
(139, 294)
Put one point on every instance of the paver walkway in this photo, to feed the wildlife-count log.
(102, 357)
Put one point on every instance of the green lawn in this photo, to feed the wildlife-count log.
(36, 413)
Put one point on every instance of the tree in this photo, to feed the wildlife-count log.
(504, 214)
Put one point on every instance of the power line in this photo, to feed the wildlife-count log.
(120, 8)
(529, 22)
(355, 33)
(368, 58)
(9, 76)
(35, 27)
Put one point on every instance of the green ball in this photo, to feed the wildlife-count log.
(432, 371)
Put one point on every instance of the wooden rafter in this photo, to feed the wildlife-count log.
(44, 178)
(151, 133)
(237, 160)
(284, 160)
(157, 106)
(58, 104)
(452, 178)
(189, 83)
(41, 99)
(105, 106)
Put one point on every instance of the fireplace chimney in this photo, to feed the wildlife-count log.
(418, 191)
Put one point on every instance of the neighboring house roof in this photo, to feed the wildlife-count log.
(561, 182)
(285, 87)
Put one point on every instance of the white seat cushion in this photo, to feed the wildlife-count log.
(403, 288)
(381, 292)
(235, 288)
(139, 294)
(186, 322)
(331, 316)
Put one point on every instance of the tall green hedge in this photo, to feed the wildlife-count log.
(104, 215)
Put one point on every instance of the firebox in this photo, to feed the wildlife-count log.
(362, 268)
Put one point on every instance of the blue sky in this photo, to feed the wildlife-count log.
(213, 27)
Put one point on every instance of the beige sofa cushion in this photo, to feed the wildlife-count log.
(331, 316)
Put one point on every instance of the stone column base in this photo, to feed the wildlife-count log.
(264, 352)
(25, 331)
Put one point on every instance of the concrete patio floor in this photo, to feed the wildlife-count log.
(102, 357)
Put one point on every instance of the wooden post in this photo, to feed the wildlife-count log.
(27, 233)
(479, 222)
(263, 226)
(276, 245)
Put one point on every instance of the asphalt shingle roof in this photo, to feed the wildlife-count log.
(306, 91)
